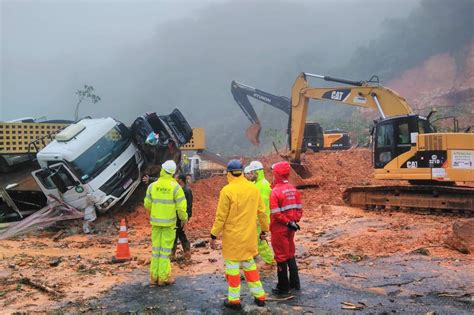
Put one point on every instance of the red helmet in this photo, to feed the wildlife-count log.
(281, 168)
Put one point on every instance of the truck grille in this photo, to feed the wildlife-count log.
(115, 185)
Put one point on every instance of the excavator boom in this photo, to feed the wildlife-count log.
(361, 94)
(241, 94)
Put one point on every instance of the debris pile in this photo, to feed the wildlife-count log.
(54, 212)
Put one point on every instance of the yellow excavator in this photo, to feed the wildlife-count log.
(405, 147)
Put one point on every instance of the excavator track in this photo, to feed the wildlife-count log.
(443, 200)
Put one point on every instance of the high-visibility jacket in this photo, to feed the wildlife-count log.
(239, 204)
(265, 190)
(165, 198)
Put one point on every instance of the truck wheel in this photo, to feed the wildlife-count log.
(4, 167)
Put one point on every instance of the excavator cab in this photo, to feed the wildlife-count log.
(313, 137)
(396, 135)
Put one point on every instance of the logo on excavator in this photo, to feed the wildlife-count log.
(262, 98)
(337, 95)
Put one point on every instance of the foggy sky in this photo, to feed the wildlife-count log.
(49, 49)
(52, 48)
(157, 55)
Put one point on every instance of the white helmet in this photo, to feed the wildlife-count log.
(169, 167)
(247, 169)
(255, 166)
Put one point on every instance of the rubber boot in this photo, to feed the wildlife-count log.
(233, 306)
(283, 285)
(294, 277)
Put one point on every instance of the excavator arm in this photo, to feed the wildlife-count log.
(241, 94)
(358, 93)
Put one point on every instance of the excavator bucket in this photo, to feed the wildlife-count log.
(301, 170)
(253, 133)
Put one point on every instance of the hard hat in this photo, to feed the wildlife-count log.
(281, 168)
(255, 166)
(234, 165)
(247, 169)
(169, 166)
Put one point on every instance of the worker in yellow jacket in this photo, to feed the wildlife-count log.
(165, 199)
(239, 204)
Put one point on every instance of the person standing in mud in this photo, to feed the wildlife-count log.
(165, 199)
(180, 233)
(286, 211)
(256, 174)
(238, 207)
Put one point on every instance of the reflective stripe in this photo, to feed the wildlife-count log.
(176, 189)
(163, 220)
(257, 290)
(156, 248)
(285, 208)
(248, 264)
(232, 266)
(234, 295)
(123, 240)
(165, 201)
(123, 229)
(160, 256)
(180, 199)
(168, 250)
(148, 196)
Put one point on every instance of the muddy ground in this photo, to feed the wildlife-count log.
(377, 262)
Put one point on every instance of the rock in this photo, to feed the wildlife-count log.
(212, 260)
(200, 243)
(13, 266)
(421, 251)
(462, 236)
(55, 262)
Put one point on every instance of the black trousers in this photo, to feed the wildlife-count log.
(181, 235)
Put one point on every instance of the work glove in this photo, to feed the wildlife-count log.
(183, 224)
(263, 235)
(292, 225)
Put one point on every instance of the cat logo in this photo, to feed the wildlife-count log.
(337, 95)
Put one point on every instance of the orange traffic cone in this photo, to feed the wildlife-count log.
(122, 253)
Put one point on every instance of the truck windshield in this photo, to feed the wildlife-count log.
(95, 159)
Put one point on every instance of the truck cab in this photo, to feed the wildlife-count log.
(90, 163)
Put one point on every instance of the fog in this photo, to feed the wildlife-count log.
(154, 56)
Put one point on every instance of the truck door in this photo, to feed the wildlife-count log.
(60, 182)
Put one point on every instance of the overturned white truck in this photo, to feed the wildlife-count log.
(95, 163)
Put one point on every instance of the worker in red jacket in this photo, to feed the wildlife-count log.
(285, 213)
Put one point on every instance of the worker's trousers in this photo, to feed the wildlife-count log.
(181, 235)
(232, 274)
(264, 249)
(162, 240)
